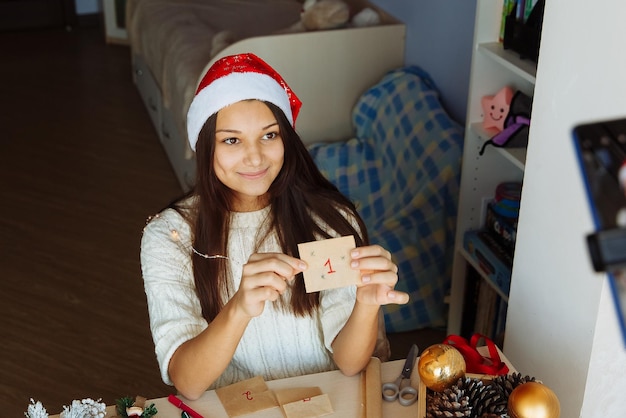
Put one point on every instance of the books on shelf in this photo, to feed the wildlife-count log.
(486, 313)
(521, 9)
(493, 260)
(502, 228)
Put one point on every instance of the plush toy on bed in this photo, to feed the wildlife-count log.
(315, 15)
(331, 14)
(321, 15)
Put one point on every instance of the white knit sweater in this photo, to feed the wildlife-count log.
(275, 344)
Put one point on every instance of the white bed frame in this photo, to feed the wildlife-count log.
(328, 70)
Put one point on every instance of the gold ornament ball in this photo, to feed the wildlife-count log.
(440, 366)
(533, 400)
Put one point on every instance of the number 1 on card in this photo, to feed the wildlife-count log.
(330, 267)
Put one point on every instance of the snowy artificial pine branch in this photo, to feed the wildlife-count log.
(36, 410)
(86, 408)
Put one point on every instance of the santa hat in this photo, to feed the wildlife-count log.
(235, 78)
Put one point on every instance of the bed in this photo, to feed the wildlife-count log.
(171, 43)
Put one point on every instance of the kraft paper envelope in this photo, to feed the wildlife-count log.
(285, 396)
(307, 402)
(246, 397)
(316, 406)
(329, 263)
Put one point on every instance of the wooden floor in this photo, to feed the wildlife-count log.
(80, 170)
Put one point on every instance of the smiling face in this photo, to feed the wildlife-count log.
(249, 152)
(496, 108)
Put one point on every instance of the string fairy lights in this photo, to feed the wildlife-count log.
(176, 238)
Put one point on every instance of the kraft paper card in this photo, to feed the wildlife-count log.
(329, 263)
(246, 397)
(313, 407)
(285, 396)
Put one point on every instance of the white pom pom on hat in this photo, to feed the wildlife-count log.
(235, 78)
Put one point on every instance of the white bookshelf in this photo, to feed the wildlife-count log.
(492, 68)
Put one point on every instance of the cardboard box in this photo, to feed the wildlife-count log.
(484, 351)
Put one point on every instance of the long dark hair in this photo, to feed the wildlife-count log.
(298, 196)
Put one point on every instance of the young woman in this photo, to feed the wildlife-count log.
(221, 267)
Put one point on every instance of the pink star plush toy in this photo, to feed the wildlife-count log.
(496, 108)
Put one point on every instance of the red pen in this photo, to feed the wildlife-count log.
(181, 405)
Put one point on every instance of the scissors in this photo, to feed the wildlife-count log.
(405, 395)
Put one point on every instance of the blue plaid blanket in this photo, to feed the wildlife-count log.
(402, 171)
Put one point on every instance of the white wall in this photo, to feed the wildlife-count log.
(439, 39)
(561, 324)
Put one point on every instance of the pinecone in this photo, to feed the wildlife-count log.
(484, 399)
(507, 382)
(472, 398)
(467, 398)
(451, 403)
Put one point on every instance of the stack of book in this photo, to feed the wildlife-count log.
(492, 248)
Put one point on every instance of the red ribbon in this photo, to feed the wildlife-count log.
(474, 361)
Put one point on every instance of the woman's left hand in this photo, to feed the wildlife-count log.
(379, 276)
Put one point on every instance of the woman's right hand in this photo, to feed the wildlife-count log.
(264, 278)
